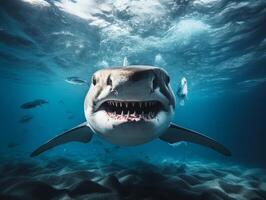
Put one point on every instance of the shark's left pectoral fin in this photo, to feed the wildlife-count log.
(81, 133)
(176, 134)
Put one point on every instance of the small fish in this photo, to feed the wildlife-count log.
(25, 118)
(33, 104)
(76, 80)
(12, 145)
(182, 91)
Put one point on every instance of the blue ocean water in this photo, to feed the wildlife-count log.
(218, 45)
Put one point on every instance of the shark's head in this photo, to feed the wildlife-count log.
(129, 105)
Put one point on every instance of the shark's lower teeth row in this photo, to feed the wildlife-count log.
(132, 115)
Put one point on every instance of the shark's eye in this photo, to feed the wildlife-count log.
(109, 81)
(154, 83)
(167, 79)
(93, 80)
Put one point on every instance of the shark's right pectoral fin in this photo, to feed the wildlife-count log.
(81, 133)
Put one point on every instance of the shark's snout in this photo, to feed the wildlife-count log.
(132, 85)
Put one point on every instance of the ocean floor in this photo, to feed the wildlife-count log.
(69, 179)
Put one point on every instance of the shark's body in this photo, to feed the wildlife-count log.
(130, 106)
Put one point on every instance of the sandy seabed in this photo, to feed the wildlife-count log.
(67, 179)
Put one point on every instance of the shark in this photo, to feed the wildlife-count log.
(128, 106)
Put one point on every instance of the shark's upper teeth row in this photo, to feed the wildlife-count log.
(125, 103)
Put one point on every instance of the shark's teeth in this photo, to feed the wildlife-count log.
(131, 110)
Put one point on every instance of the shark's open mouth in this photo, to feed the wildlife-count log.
(132, 110)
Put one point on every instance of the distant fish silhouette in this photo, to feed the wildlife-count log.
(182, 91)
(26, 118)
(76, 80)
(12, 145)
(33, 104)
